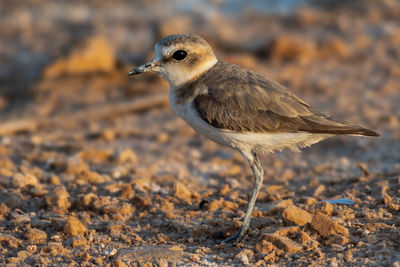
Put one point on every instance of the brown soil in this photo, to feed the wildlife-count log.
(95, 169)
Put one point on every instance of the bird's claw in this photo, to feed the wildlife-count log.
(233, 239)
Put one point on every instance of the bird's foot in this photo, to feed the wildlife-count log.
(235, 238)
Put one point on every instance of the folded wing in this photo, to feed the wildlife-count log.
(243, 101)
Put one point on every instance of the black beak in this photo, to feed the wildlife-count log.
(143, 68)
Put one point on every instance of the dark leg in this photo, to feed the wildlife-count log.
(258, 172)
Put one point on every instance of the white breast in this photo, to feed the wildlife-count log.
(191, 117)
(267, 142)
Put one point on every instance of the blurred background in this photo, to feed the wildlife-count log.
(67, 61)
(78, 137)
(59, 56)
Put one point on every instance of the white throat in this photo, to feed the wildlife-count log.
(177, 77)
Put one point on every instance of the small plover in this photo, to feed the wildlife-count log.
(237, 107)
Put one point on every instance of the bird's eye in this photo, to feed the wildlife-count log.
(179, 55)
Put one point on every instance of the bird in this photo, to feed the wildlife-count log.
(237, 107)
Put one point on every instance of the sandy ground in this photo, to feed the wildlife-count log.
(95, 169)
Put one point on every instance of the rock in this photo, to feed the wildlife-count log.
(23, 254)
(36, 236)
(234, 170)
(127, 192)
(108, 134)
(308, 200)
(182, 192)
(100, 202)
(98, 261)
(6, 163)
(121, 211)
(20, 218)
(337, 239)
(6, 172)
(58, 198)
(230, 205)
(288, 174)
(168, 208)
(74, 227)
(88, 199)
(349, 256)
(12, 260)
(296, 216)
(284, 231)
(162, 138)
(284, 243)
(77, 241)
(38, 191)
(95, 155)
(334, 47)
(264, 246)
(244, 256)
(319, 190)
(127, 156)
(270, 256)
(215, 204)
(21, 180)
(287, 48)
(327, 227)
(75, 166)
(118, 263)
(150, 253)
(94, 55)
(4, 210)
(326, 208)
(54, 248)
(273, 189)
(90, 177)
(86, 257)
(279, 205)
(11, 241)
(304, 238)
(37, 223)
(115, 227)
(224, 190)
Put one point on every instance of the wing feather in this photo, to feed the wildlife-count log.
(240, 100)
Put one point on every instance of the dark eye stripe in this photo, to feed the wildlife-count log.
(179, 55)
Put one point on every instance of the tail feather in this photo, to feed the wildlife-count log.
(365, 132)
(329, 126)
(349, 130)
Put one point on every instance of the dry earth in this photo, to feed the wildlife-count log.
(95, 169)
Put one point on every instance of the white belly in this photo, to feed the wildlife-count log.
(267, 142)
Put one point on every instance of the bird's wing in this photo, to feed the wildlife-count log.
(240, 100)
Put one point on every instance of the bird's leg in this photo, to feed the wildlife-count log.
(258, 172)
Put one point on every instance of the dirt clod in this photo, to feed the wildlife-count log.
(296, 216)
(182, 192)
(283, 243)
(89, 177)
(326, 208)
(74, 227)
(58, 198)
(95, 54)
(22, 180)
(326, 227)
(118, 263)
(36, 236)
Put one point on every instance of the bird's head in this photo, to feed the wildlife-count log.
(179, 58)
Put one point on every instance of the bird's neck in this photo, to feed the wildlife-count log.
(176, 79)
